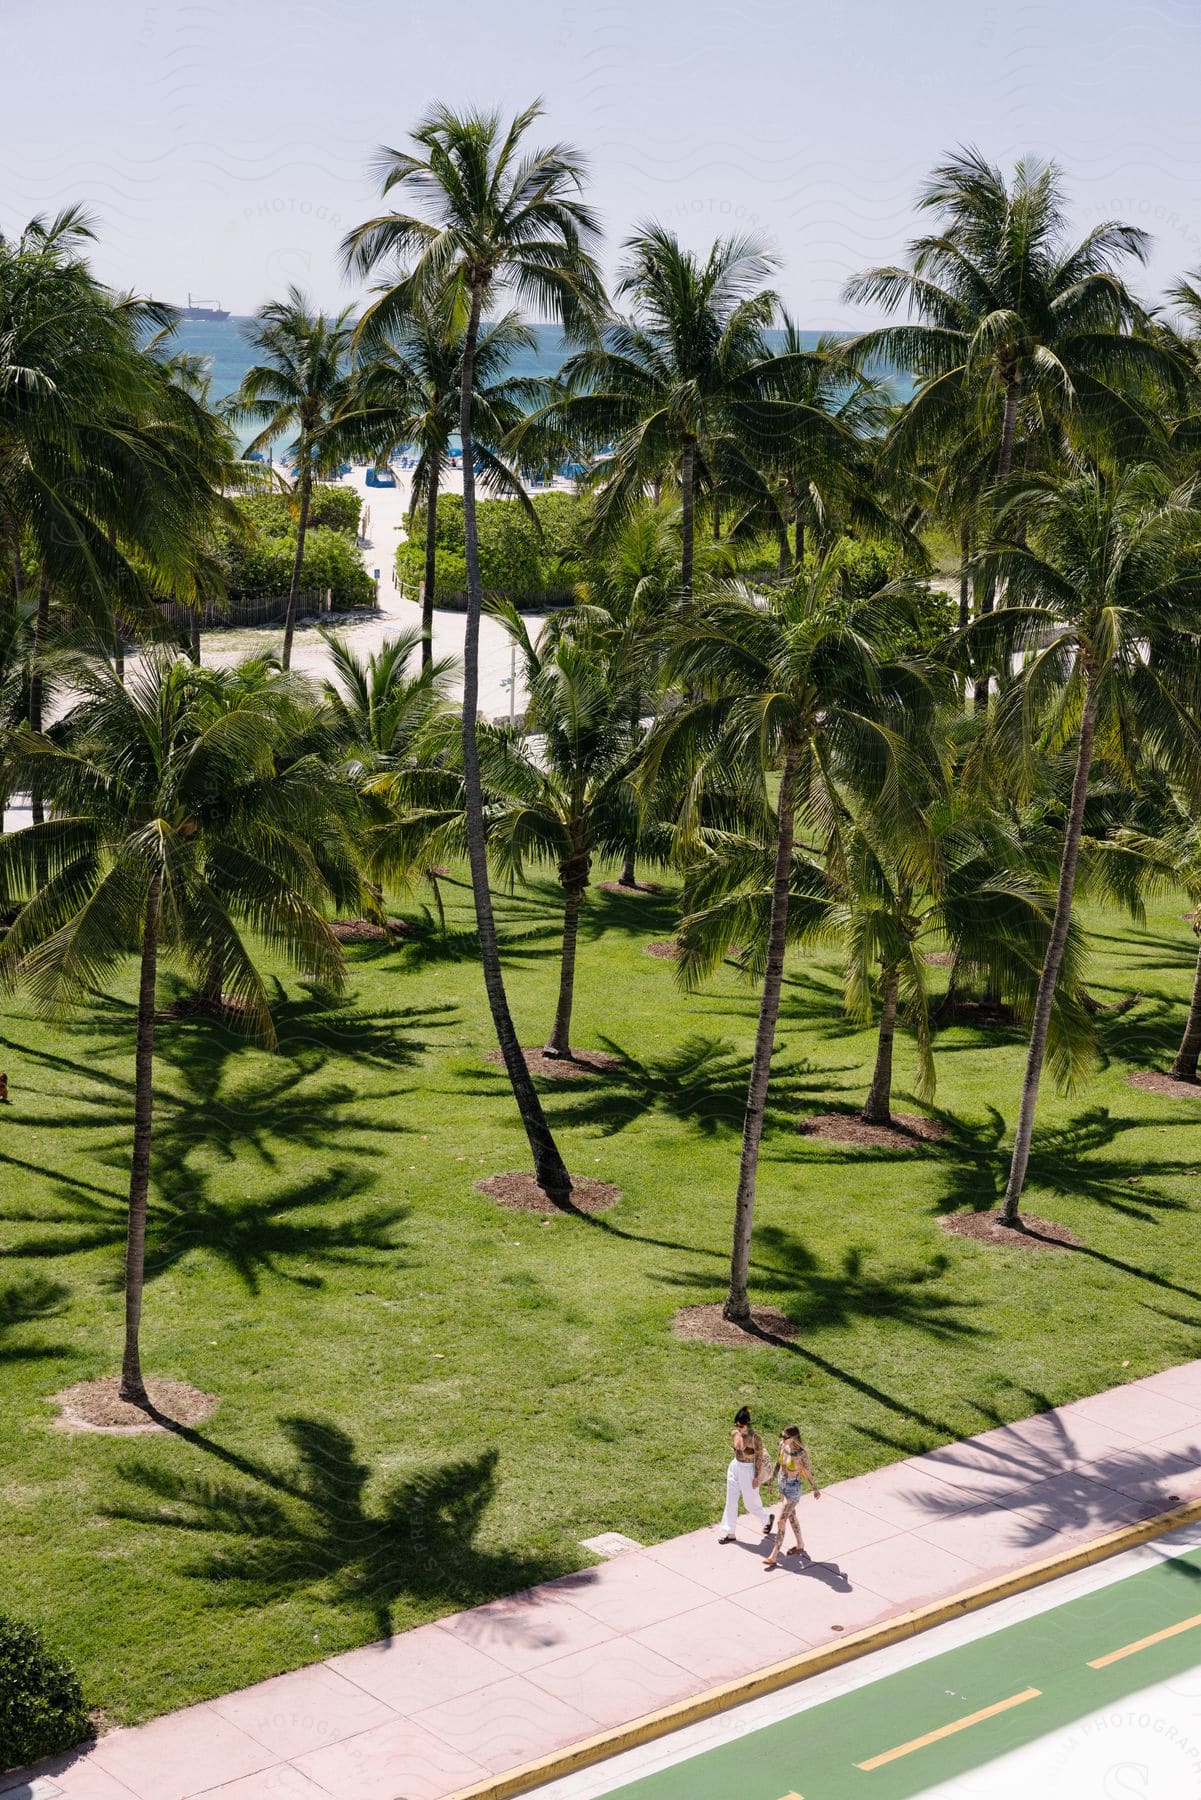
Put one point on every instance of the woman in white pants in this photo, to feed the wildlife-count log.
(743, 1477)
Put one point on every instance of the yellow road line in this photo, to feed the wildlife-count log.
(946, 1731)
(1157, 1637)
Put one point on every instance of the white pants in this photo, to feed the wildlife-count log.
(739, 1479)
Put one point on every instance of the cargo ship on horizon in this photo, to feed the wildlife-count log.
(191, 311)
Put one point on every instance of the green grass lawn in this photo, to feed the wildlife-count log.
(425, 1400)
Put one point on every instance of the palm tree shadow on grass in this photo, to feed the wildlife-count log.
(280, 1234)
(29, 1303)
(701, 1082)
(310, 1030)
(817, 1297)
(271, 1531)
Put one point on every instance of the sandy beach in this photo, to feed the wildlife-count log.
(384, 530)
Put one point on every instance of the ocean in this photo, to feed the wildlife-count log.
(223, 343)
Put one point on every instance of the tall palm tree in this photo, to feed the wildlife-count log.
(672, 380)
(407, 392)
(1102, 578)
(801, 681)
(958, 879)
(296, 389)
(1009, 319)
(111, 477)
(171, 831)
(808, 467)
(570, 799)
(381, 717)
(625, 613)
(493, 214)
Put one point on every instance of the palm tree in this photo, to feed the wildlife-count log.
(570, 798)
(381, 717)
(674, 379)
(805, 682)
(109, 481)
(494, 215)
(820, 421)
(1008, 318)
(407, 392)
(625, 613)
(958, 879)
(1101, 601)
(171, 830)
(297, 389)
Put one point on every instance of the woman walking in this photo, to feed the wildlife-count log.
(747, 1468)
(791, 1471)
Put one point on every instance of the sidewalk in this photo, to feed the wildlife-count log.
(443, 1707)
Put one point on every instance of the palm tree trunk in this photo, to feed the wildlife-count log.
(877, 1108)
(431, 564)
(988, 587)
(784, 552)
(133, 1388)
(1051, 962)
(965, 578)
(737, 1305)
(687, 462)
(1009, 421)
(800, 534)
(194, 639)
(302, 525)
(549, 1167)
(1185, 1066)
(41, 630)
(574, 876)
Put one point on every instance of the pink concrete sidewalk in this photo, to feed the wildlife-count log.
(441, 1707)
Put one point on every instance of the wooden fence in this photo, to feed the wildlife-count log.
(264, 609)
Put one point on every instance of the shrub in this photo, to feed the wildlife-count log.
(516, 557)
(336, 506)
(331, 560)
(41, 1702)
(868, 568)
(274, 515)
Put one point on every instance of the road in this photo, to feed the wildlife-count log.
(1088, 1689)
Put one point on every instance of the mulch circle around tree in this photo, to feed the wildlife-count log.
(563, 1068)
(517, 1190)
(1030, 1233)
(707, 1325)
(366, 931)
(987, 1015)
(1154, 1082)
(907, 1131)
(200, 1006)
(641, 890)
(665, 948)
(97, 1406)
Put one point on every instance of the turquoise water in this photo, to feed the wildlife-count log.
(229, 353)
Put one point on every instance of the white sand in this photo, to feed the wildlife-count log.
(366, 631)
(386, 510)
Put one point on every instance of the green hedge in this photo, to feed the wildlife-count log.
(41, 1703)
(338, 508)
(331, 560)
(515, 557)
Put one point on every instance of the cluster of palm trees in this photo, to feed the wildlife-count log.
(822, 754)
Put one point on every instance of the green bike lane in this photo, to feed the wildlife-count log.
(937, 1719)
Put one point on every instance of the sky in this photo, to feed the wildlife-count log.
(224, 145)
